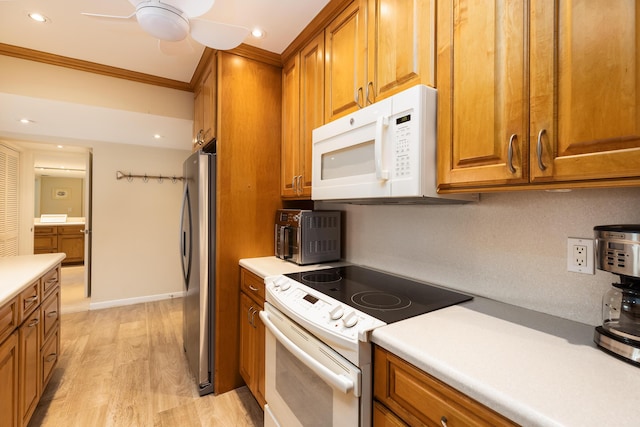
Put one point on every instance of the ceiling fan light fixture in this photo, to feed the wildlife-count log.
(162, 21)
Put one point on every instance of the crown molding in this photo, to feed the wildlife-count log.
(91, 67)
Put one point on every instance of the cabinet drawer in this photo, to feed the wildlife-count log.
(8, 318)
(71, 229)
(252, 285)
(418, 398)
(49, 281)
(43, 230)
(49, 314)
(29, 300)
(49, 356)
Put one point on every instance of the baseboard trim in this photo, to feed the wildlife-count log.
(137, 300)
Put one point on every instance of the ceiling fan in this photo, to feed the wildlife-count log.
(173, 21)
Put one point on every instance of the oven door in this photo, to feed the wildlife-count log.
(307, 383)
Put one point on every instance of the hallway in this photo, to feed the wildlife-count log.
(72, 290)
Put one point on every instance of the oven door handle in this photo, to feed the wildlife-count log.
(339, 382)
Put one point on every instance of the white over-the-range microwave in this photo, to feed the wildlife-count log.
(383, 153)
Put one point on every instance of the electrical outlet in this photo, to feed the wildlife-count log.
(580, 255)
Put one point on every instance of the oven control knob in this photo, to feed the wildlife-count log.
(279, 281)
(286, 285)
(350, 319)
(336, 312)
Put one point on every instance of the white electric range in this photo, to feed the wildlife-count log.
(317, 348)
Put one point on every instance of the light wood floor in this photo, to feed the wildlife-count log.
(125, 366)
(72, 290)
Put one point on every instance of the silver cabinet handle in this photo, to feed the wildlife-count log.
(253, 318)
(51, 357)
(249, 315)
(369, 85)
(293, 183)
(254, 289)
(299, 184)
(31, 299)
(52, 314)
(33, 323)
(443, 421)
(539, 150)
(357, 97)
(510, 154)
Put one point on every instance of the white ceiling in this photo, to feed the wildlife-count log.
(124, 45)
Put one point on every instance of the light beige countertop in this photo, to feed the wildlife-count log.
(536, 369)
(271, 265)
(69, 221)
(18, 272)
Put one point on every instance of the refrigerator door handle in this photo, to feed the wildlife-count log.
(186, 234)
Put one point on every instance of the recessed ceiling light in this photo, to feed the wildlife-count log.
(38, 17)
(258, 33)
(157, 136)
(26, 121)
(60, 146)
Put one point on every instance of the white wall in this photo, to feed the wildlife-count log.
(135, 224)
(510, 247)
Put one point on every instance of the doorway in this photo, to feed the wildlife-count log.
(62, 177)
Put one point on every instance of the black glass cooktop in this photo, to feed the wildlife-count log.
(386, 297)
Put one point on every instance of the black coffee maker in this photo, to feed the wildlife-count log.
(618, 251)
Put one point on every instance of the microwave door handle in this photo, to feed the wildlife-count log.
(339, 382)
(284, 251)
(288, 250)
(381, 124)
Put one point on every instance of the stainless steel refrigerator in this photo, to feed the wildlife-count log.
(197, 250)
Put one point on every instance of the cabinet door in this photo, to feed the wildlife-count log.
(204, 111)
(73, 246)
(49, 357)
(290, 130)
(9, 380)
(311, 105)
(585, 90)
(247, 340)
(483, 108)
(198, 117)
(29, 366)
(400, 46)
(345, 50)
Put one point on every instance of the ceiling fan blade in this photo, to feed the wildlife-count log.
(100, 15)
(192, 8)
(217, 35)
(182, 47)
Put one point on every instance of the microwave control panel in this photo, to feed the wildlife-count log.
(402, 146)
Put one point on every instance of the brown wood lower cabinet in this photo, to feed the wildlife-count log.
(62, 238)
(406, 395)
(252, 334)
(9, 381)
(29, 377)
(29, 347)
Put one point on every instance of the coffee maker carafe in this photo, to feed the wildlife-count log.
(618, 251)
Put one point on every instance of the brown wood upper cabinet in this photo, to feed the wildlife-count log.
(370, 59)
(302, 111)
(204, 109)
(346, 66)
(537, 94)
